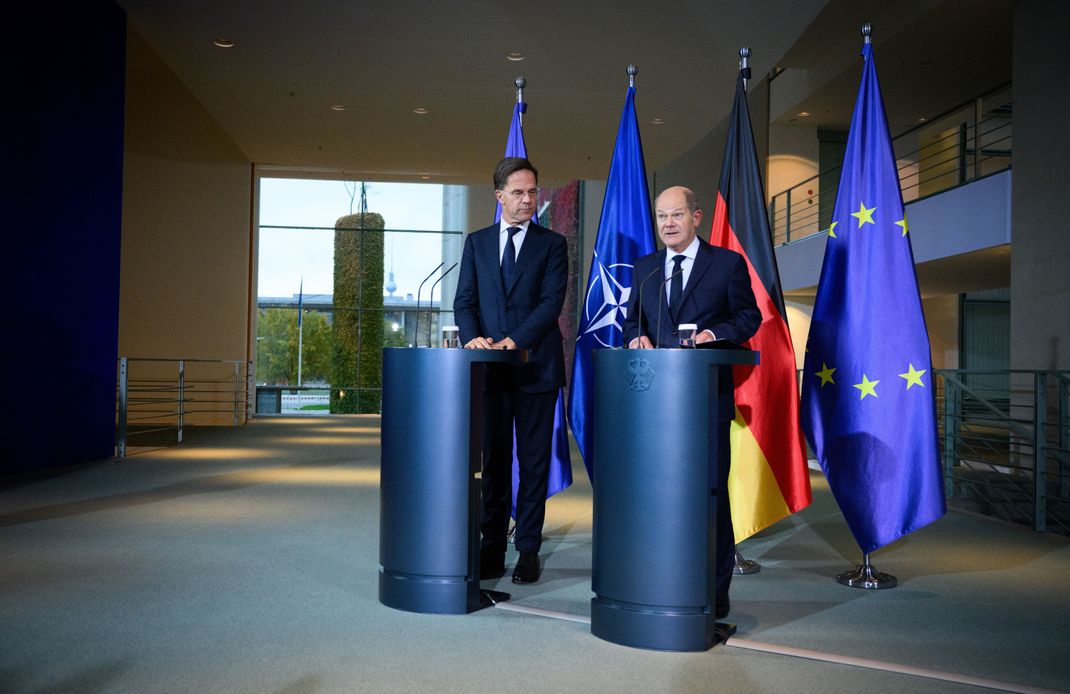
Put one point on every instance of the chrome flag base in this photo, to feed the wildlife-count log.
(745, 566)
(865, 576)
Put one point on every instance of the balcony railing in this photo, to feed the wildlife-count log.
(163, 396)
(1005, 443)
(967, 143)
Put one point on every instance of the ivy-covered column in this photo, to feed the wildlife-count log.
(356, 374)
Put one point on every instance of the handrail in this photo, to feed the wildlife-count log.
(155, 391)
(1004, 447)
(970, 149)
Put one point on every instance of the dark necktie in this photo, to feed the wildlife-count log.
(509, 258)
(676, 285)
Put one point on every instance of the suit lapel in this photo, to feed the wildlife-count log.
(703, 262)
(493, 260)
(661, 306)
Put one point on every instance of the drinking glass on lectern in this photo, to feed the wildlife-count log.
(687, 332)
(451, 337)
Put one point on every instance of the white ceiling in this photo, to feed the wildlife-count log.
(292, 61)
(273, 91)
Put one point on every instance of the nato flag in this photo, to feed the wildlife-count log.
(625, 232)
(868, 405)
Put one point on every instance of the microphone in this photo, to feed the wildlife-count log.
(639, 303)
(431, 301)
(661, 291)
(416, 331)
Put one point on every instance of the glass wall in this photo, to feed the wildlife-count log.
(339, 276)
(346, 268)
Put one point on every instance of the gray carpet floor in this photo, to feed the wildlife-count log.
(245, 560)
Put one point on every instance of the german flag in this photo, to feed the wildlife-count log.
(769, 479)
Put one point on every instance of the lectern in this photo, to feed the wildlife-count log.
(655, 495)
(431, 453)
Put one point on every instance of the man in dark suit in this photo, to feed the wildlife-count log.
(509, 295)
(709, 287)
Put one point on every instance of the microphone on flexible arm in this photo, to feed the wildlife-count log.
(431, 301)
(661, 292)
(639, 304)
(416, 331)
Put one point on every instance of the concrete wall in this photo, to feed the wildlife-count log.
(187, 242)
(1040, 259)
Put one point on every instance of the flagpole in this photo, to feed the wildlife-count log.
(300, 331)
(744, 566)
(744, 64)
(520, 83)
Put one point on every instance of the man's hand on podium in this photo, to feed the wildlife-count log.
(479, 343)
(488, 343)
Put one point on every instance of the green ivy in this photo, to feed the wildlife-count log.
(357, 368)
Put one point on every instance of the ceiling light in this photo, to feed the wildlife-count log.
(338, 107)
(922, 120)
(425, 177)
(803, 114)
(658, 121)
(515, 56)
(224, 43)
(421, 110)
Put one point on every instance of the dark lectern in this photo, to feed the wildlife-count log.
(655, 487)
(429, 488)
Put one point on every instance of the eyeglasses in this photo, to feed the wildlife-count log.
(519, 194)
(677, 216)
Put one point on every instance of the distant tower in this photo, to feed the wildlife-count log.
(391, 285)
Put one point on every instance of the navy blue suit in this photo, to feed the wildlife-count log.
(522, 396)
(717, 297)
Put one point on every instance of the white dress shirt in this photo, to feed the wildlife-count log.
(689, 262)
(503, 237)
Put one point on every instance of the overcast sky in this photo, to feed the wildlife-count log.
(288, 254)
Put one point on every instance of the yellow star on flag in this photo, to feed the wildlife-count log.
(913, 377)
(832, 229)
(825, 374)
(867, 387)
(864, 214)
(903, 223)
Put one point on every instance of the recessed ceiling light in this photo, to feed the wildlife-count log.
(224, 43)
(515, 56)
(338, 107)
(922, 120)
(426, 177)
(421, 110)
(803, 114)
(658, 121)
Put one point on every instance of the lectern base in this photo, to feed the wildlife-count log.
(430, 594)
(646, 627)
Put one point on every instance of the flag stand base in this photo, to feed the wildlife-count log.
(745, 566)
(865, 576)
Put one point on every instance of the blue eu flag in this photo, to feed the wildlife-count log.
(868, 406)
(625, 232)
(560, 459)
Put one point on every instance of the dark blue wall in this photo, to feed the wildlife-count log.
(61, 125)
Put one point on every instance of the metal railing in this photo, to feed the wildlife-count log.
(967, 143)
(1005, 444)
(161, 395)
(997, 429)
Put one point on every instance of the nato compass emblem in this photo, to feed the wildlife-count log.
(606, 303)
(640, 375)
